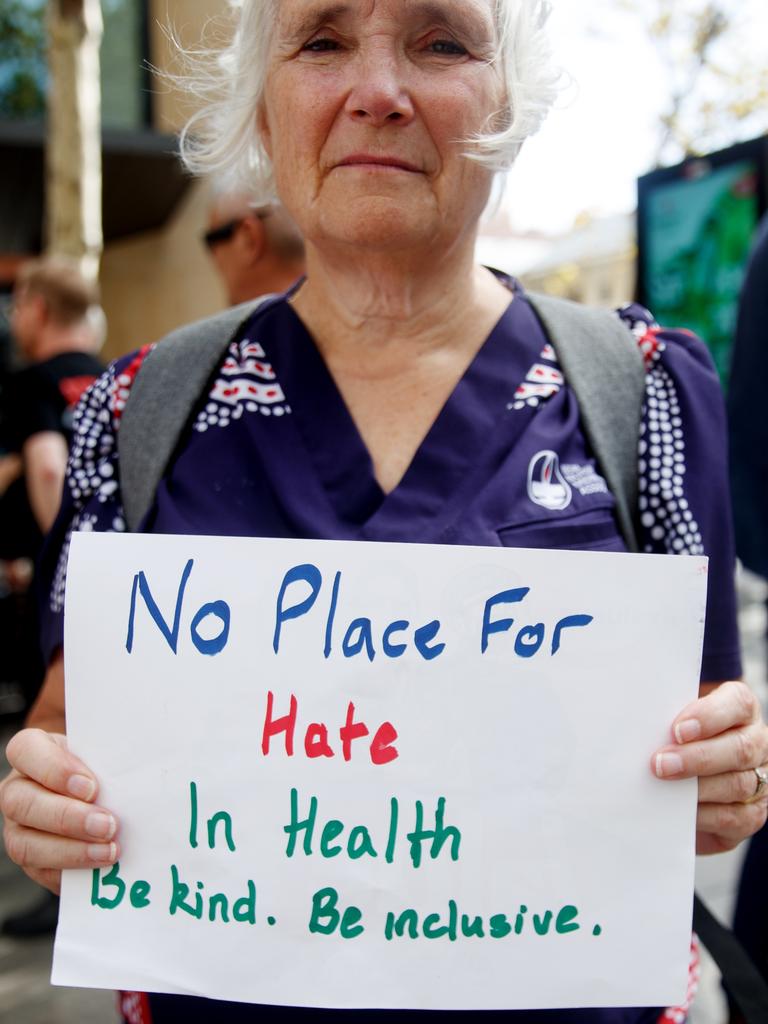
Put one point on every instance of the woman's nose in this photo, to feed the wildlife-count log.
(379, 95)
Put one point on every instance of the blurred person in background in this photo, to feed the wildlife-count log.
(17, 539)
(21, 668)
(748, 424)
(58, 328)
(257, 250)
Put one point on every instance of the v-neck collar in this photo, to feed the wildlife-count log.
(456, 446)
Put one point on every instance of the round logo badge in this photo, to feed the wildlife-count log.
(546, 484)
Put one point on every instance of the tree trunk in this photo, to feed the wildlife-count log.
(73, 149)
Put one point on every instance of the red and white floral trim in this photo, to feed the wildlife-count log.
(679, 1014)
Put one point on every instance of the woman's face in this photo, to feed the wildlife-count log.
(367, 107)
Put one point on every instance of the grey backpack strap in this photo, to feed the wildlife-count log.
(602, 363)
(169, 384)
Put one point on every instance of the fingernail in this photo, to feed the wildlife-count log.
(104, 852)
(688, 730)
(82, 787)
(668, 764)
(100, 826)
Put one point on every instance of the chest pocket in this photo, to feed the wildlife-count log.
(591, 531)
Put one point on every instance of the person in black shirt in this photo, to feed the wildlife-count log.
(58, 327)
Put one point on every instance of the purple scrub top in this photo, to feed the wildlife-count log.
(272, 451)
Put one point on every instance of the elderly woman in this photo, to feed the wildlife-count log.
(395, 393)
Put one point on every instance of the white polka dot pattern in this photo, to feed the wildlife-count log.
(92, 473)
(668, 523)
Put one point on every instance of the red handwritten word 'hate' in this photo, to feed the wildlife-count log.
(316, 741)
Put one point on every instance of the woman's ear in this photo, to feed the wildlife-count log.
(251, 236)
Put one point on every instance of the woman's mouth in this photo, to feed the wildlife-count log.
(378, 163)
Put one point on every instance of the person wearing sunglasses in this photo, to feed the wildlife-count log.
(256, 250)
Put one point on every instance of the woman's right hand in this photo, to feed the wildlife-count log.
(51, 819)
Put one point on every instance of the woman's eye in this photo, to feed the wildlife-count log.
(322, 45)
(447, 48)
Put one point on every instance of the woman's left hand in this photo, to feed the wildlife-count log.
(722, 739)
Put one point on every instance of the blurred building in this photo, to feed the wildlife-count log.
(155, 273)
(595, 262)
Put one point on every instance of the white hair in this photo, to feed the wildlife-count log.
(222, 138)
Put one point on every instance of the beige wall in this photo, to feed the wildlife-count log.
(156, 281)
(191, 22)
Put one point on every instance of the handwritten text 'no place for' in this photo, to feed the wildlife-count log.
(210, 625)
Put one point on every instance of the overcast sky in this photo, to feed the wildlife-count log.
(603, 131)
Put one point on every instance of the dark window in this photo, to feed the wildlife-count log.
(123, 62)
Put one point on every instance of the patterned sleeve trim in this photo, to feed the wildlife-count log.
(668, 525)
(246, 383)
(92, 484)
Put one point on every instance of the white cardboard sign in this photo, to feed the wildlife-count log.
(382, 775)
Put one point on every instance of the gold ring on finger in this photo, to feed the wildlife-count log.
(761, 783)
